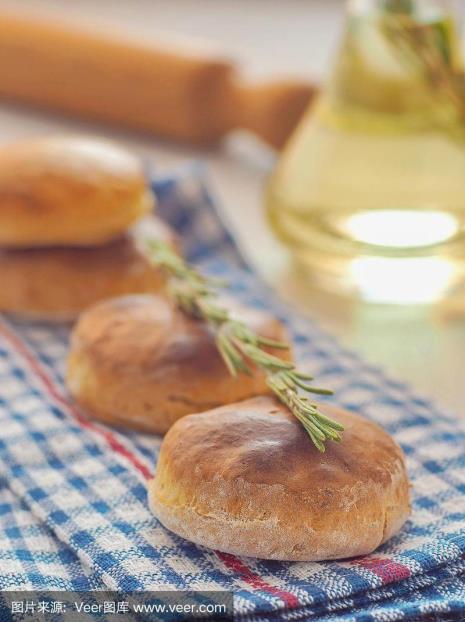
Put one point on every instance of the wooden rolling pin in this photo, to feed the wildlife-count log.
(185, 96)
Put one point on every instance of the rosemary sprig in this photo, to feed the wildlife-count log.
(240, 346)
(427, 49)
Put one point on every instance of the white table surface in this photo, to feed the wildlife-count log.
(267, 37)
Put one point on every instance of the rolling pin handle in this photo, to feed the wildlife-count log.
(271, 110)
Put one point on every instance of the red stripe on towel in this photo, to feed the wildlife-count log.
(386, 569)
(235, 564)
(55, 393)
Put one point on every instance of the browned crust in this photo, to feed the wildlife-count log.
(58, 283)
(68, 190)
(141, 363)
(246, 479)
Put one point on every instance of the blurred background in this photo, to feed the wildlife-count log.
(419, 339)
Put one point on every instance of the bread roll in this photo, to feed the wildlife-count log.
(139, 362)
(58, 283)
(246, 479)
(68, 191)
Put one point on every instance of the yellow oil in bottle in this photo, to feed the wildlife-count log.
(370, 192)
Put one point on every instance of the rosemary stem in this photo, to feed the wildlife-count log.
(240, 347)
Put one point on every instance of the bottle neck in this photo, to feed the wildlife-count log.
(397, 6)
(407, 7)
(403, 6)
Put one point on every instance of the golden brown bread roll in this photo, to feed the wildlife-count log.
(246, 479)
(58, 283)
(68, 191)
(139, 362)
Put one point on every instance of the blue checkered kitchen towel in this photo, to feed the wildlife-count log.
(73, 508)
